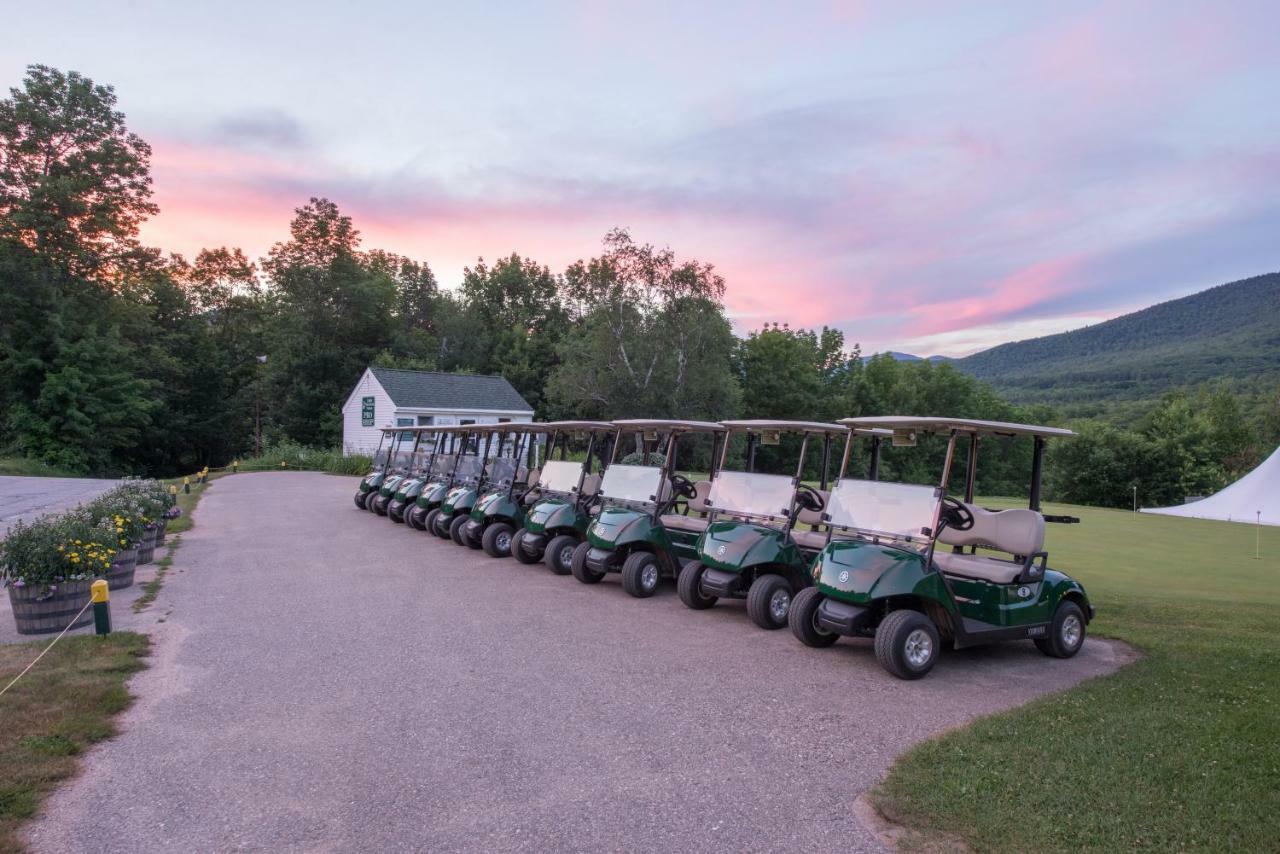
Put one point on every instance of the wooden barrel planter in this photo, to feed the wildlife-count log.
(120, 575)
(38, 614)
(147, 548)
(160, 529)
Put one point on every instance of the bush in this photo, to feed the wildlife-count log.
(637, 458)
(296, 456)
(70, 547)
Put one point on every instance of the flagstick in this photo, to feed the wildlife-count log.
(1257, 546)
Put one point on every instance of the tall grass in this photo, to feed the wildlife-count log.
(295, 456)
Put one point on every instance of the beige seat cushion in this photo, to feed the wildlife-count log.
(809, 539)
(978, 566)
(698, 504)
(1017, 532)
(680, 522)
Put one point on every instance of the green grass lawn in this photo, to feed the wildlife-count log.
(1180, 750)
(24, 467)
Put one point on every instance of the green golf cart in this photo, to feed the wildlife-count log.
(472, 476)
(438, 479)
(372, 482)
(567, 491)
(641, 531)
(756, 543)
(402, 460)
(410, 487)
(499, 512)
(914, 567)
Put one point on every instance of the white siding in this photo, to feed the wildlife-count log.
(356, 438)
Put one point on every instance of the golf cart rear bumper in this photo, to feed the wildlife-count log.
(841, 618)
(717, 582)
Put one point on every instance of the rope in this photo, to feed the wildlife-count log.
(46, 649)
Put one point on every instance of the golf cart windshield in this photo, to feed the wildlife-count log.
(560, 476)
(442, 464)
(402, 459)
(380, 458)
(752, 494)
(502, 470)
(631, 483)
(899, 510)
(468, 469)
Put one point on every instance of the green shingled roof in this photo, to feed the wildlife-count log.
(431, 390)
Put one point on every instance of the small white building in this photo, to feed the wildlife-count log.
(412, 398)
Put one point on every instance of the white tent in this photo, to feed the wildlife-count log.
(1257, 492)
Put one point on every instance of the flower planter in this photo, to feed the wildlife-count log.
(160, 529)
(147, 548)
(37, 614)
(120, 575)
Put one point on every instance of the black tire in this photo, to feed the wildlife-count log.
(432, 522)
(560, 547)
(641, 574)
(517, 548)
(456, 525)
(497, 539)
(689, 587)
(380, 505)
(360, 497)
(579, 567)
(769, 601)
(893, 636)
(395, 512)
(1066, 632)
(803, 619)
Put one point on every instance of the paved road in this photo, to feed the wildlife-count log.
(26, 498)
(328, 681)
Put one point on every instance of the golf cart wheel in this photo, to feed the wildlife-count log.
(769, 601)
(456, 529)
(803, 619)
(497, 540)
(1066, 632)
(432, 522)
(360, 497)
(579, 567)
(517, 548)
(907, 644)
(559, 554)
(641, 574)
(689, 586)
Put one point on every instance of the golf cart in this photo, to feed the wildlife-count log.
(402, 460)
(639, 531)
(438, 479)
(914, 567)
(410, 487)
(372, 482)
(479, 464)
(510, 486)
(750, 547)
(565, 494)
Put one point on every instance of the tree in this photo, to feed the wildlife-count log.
(74, 182)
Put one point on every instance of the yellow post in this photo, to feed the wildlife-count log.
(186, 485)
(99, 596)
(283, 464)
(235, 466)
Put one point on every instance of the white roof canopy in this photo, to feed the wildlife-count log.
(1253, 498)
(930, 424)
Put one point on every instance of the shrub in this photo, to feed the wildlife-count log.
(636, 458)
(70, 547)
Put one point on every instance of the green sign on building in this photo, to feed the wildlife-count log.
(366, 411)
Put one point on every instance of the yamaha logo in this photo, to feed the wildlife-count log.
(1024, 592)
(720, 552)
(844, 576)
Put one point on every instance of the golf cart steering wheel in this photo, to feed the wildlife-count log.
(956, 514)
(808, 498)
(682, 487)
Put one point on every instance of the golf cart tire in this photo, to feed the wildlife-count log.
(634, 571)
(456, 529)
(1055, 646)
(430, 524)
(517, 549)
(689, 587)
(803, 619)
(760, 600)
(579, 567)
(891, 643)
(554, 552)
(360, 497)
(489, 539)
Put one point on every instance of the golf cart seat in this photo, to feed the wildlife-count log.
(531, 491)
(697, 505)
(1019, 533)
(810, 540)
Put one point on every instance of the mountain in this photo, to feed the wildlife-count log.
(907, 357)
(1229, 332)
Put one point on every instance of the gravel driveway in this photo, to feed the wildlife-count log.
(325, 680)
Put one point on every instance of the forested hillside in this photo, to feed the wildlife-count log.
(1230, 332)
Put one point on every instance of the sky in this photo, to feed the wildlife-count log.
(932, 177)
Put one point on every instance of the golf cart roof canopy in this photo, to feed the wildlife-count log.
(901, 423)
(586, 426)
(755, 425)
(661, 424)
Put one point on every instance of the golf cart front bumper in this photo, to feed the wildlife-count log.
(717, 582)
(473, 529)
(601, 560)
(841, 618)
(533, 544)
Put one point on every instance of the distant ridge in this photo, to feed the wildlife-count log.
(1231, 331)
(908, 357)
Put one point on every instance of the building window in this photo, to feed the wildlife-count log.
(426, 420)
